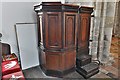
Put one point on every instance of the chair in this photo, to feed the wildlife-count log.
(5, 48)
(10, 65)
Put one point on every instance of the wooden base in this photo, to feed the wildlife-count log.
(58, 64)
(57, 73)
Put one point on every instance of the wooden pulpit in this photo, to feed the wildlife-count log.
(63, 39)
(57, 30)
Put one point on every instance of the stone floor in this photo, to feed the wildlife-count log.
(35, 73)
(106, 71)
(111, 70)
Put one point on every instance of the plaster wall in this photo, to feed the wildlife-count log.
(18, 11)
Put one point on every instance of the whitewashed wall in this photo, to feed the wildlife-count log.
(12, 13)
(17, 11)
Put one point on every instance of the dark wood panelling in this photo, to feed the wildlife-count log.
(70, 25)
(38, 28)
(59, 61)
(52, 61)
(70, 57)
(83, 30)
(53, 30)
(59, 28)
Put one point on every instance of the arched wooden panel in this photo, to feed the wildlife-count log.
(83, 30)
(70, 25)
(53, 32)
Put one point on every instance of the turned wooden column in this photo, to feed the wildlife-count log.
(58, 24)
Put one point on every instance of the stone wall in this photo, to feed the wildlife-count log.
(116, 28)
(108, 23)
(101, 28)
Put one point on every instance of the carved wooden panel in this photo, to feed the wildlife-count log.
(53, 61)
(70, 59)
(70, 25)
(60, 60)
(53, 32)
(83, 30)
